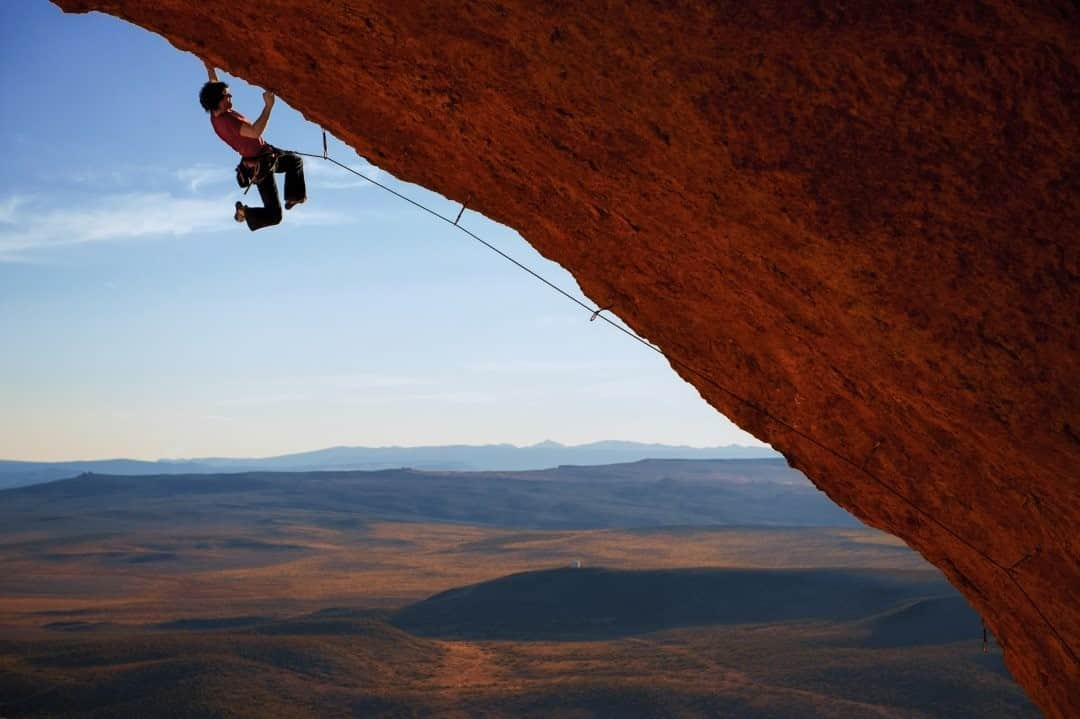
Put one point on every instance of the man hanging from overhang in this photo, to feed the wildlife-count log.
(259, 160)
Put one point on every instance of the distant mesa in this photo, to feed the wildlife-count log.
(598, 603)
(460, 458)
(930, 620)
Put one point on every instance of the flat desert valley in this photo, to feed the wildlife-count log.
(577, 592)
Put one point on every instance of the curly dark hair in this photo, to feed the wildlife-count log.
(211, 94)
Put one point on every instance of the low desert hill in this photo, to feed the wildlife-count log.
(596, 603)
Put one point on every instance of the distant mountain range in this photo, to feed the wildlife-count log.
(646, 493)
(461, 458)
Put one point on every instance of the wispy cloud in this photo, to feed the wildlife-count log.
(197, 176)
(113, 177)
(262, 400)
(112, 218)
(123, 217)
(368, 381)
(324, 388)
(538, 367)
(350, 381)
(459, 397)
(9, 206)
(350, 399)
(322, 175)
(308, 216)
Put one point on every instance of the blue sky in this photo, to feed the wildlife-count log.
(137, 319)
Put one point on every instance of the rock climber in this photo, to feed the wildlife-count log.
(259, 159)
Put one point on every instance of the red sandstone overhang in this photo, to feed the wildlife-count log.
(852, 226)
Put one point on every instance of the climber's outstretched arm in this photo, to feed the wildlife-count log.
(211, 73)
(259, 126)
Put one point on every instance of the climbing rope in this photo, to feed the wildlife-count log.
(597, 313)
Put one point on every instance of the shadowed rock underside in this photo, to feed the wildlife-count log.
(852, 226)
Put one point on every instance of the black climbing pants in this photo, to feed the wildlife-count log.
(295, 191)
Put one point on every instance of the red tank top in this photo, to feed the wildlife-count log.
(227, 126)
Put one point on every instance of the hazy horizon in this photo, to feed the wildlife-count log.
(538, 444)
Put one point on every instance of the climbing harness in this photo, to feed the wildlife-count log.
(253, 170)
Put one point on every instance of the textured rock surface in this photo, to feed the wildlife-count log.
(863, 219)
